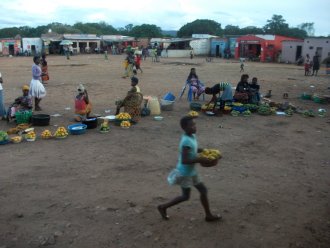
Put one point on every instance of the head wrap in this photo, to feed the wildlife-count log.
(25, 87)
(81, 88)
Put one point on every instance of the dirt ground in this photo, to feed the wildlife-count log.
(101, 190)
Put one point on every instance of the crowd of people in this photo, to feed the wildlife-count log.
(245, 92)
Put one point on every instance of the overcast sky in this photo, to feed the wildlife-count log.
(166, 14)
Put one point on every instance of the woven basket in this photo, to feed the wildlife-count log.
(211, 163)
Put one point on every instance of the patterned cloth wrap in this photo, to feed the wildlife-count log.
(132, 105)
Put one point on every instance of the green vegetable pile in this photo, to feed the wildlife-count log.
(3, 136)
(264, 109)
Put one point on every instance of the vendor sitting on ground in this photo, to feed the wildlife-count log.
(83, 107)
(22, 103)
(227, 95)
(132, 102)
(254, 91)
(242, 93)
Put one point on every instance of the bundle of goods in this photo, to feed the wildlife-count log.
(105, 126)
(193, 113)
(61, 133)
(212, 154)
(46, 134)
(18, 128)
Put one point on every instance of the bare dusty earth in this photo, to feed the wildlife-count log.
(101, 190)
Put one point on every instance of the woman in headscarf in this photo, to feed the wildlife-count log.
(37, 90)
(83, 107)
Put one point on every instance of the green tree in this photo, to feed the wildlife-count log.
(308, 27)
(251, 30)
(231, 30)
(200, 26)
(146, 30)
(276, 25)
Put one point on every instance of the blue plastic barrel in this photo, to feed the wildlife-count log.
(169, 96)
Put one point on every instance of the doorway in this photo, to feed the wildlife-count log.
(217, 51)
(298, 52)
(11, 50)
(33, 50)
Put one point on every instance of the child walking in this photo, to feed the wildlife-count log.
(185, 173)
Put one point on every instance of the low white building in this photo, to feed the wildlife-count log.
(32, 46)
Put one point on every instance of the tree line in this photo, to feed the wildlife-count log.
(276, 25)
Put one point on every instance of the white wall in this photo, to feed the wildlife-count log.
(178, 53)
(201, 46)
(29, 42)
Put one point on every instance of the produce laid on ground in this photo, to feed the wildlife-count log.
(61, 132)
(235, 113)
(46, 134)
(247, 113)
(123, 116)
(288, 112)
(193, 113)
(125, 124)
(105, 126)
(16, 139)
(308, 113)
(208, 107)
(264, 109)
(31, 136)
(3, 137)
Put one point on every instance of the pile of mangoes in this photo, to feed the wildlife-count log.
(123, 116)
(31, 135)
(125, 124)
(16, 139)
(193, 113)
(211, 154)
(61, 132)
(46, 134)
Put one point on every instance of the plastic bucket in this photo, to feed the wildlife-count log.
(169, 96)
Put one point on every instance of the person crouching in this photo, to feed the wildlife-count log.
(83, 107)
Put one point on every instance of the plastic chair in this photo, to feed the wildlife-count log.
(190, 95)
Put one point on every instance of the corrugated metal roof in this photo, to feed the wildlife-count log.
(266, 36)
(81, 37)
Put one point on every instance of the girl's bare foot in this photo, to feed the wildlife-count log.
(212, 218)
(162, 212)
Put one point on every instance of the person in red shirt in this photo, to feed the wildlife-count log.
(138, 63)
(83, 107)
